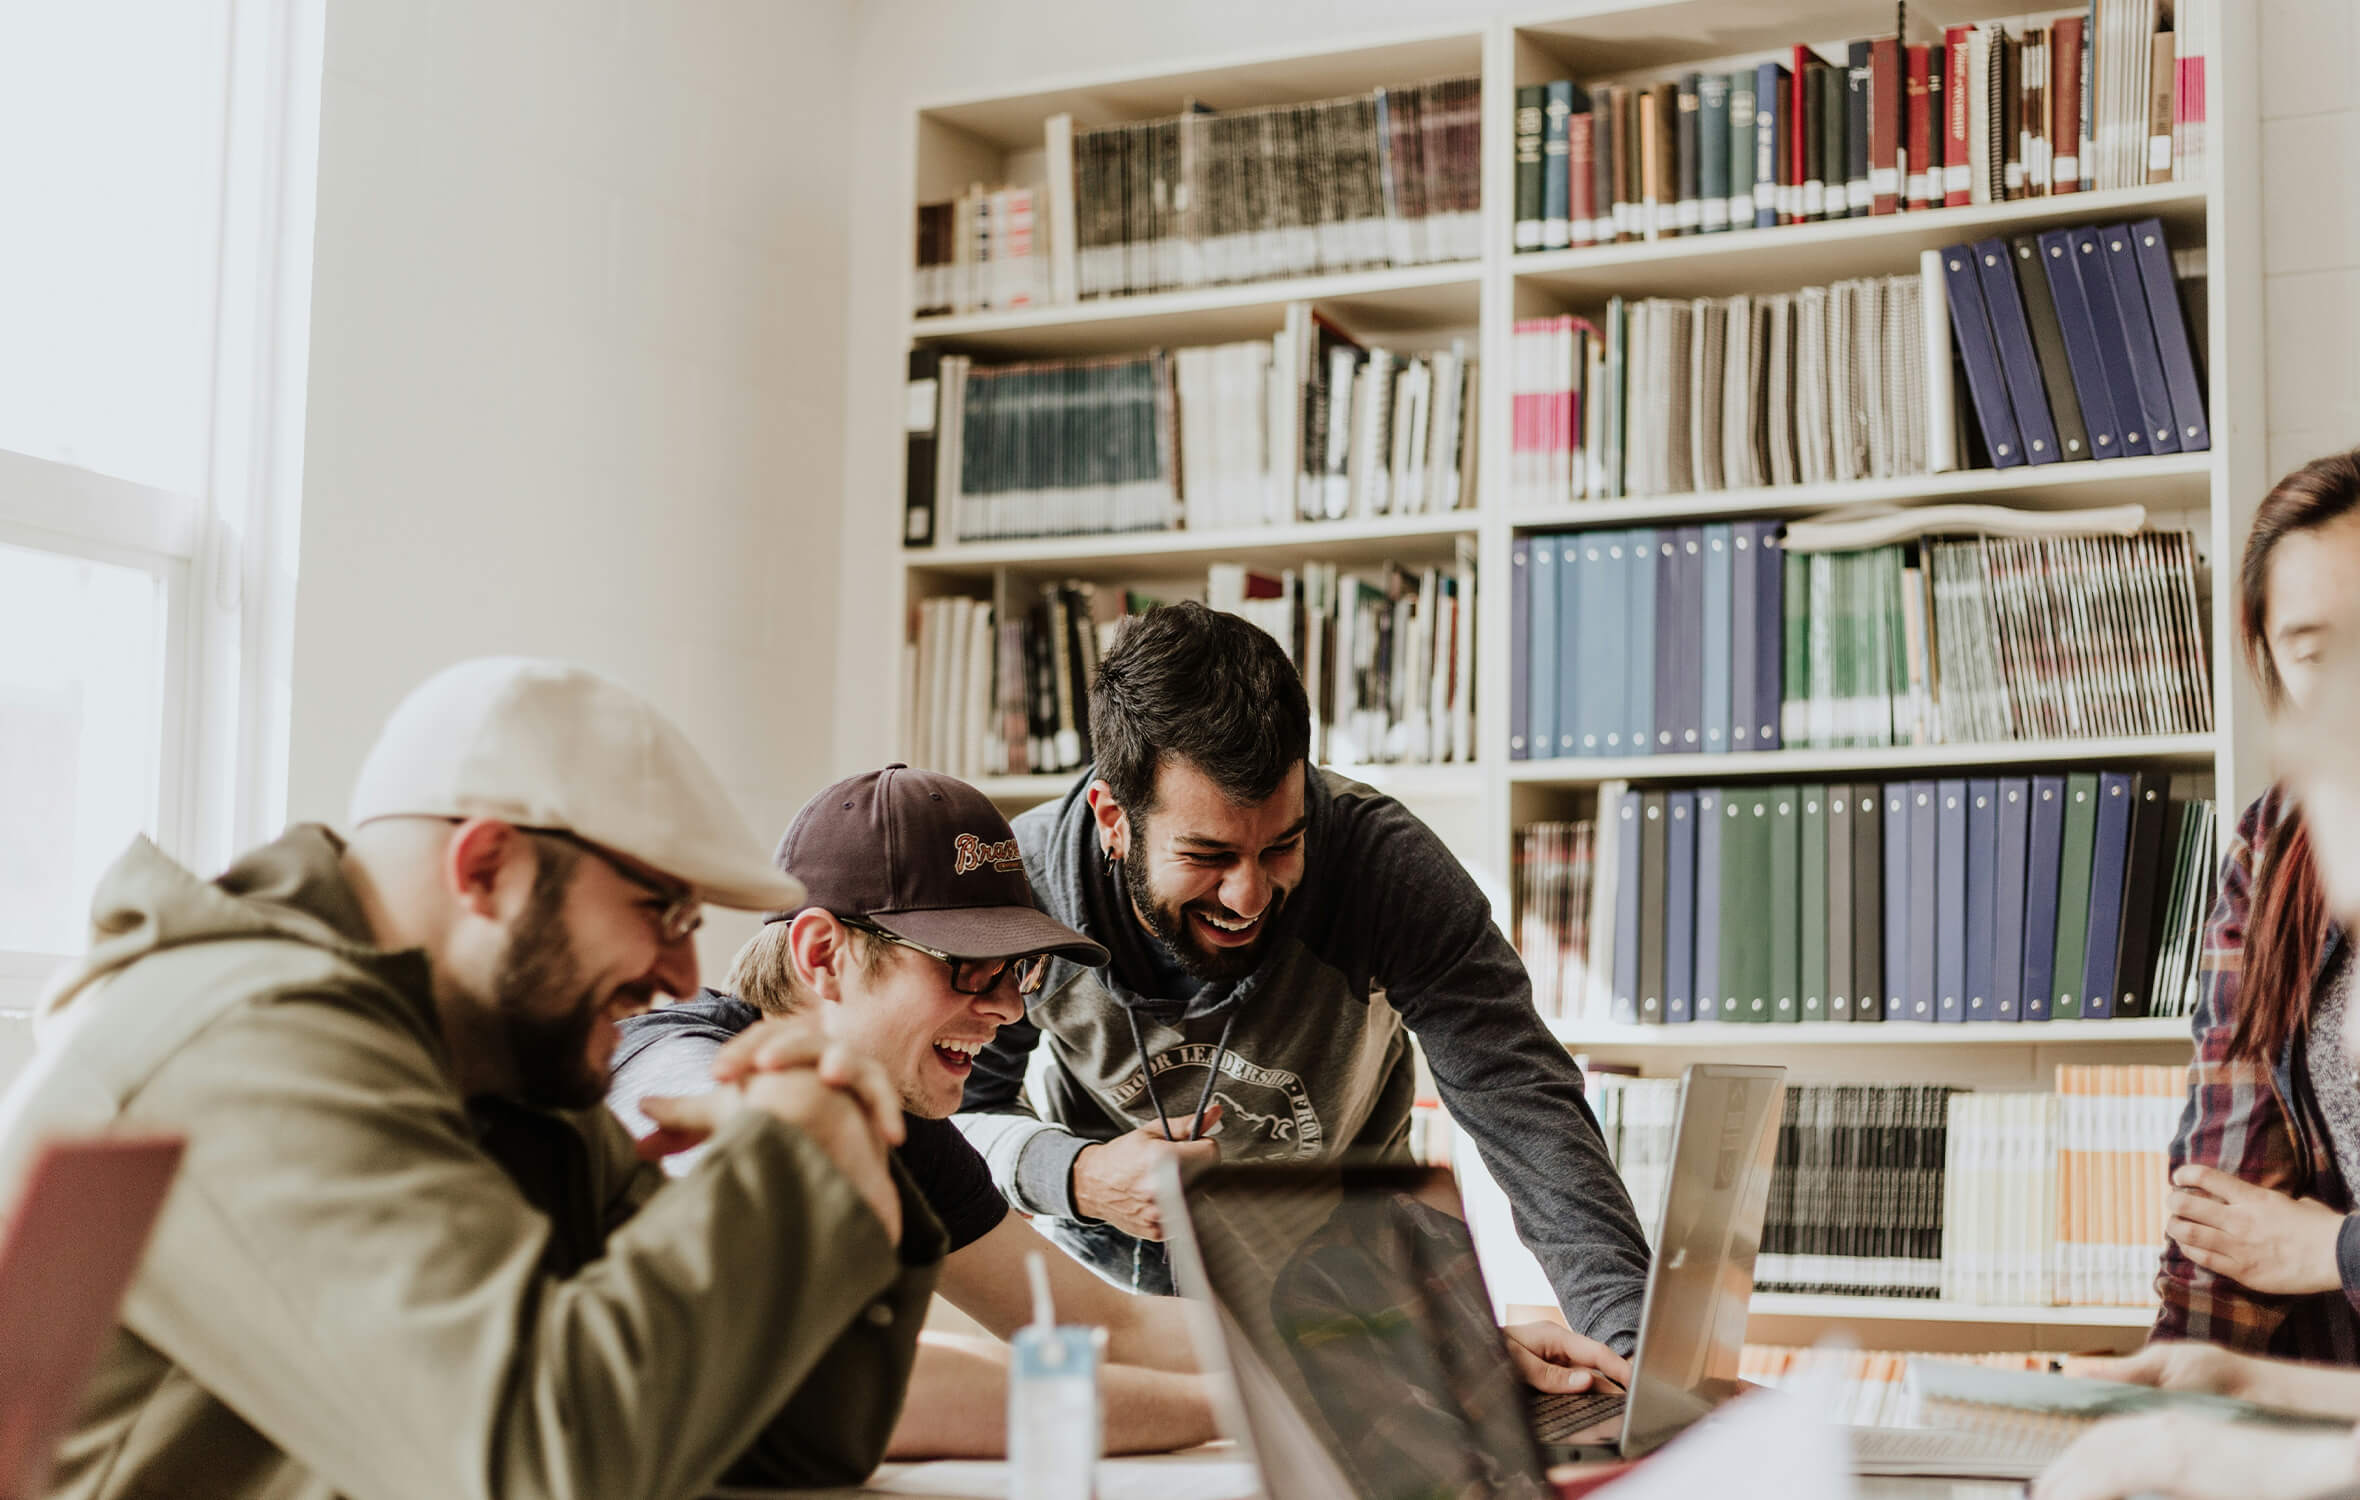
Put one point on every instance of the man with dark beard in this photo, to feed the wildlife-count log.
(409, 1253)
(1277, 935)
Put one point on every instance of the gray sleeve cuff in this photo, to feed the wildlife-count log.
(1044, 1174)
(2347, 1254)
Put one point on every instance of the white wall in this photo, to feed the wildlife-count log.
(578, 328)
(2311, 227)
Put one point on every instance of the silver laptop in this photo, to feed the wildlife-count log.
(1346, 1304)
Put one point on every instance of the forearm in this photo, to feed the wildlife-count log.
(958, 1405)
(2329, 1390)
(1152, 1335)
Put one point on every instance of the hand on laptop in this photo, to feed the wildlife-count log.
(1552, 1357)
(1115, 1180)
(2197, 1459)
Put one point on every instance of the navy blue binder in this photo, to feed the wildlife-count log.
(1896, 913)
(1708, 904)
(1770, 147)
(1575, 577)
(1604, 661)
(2007, 946)
(1744, 537)
(2107, 429)
(1970, 323)
(1520, 636)
(1638, 564)
(2044, 852)
(1625, 1007)
(2019, 360)
(1719, 578)
(1950, 901)
(1769, 633)
(1924, 942)
(2180, 375)
(2109, 851)
(2138, 334)
(1982, 896)
(1542, 657)
(1669, 646)
(1679, 921)
(2114, 352)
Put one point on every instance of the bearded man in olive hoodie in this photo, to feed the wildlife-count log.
(409, 1253)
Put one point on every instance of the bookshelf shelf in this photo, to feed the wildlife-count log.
(1930, 1310)
(1371, 303)
(2193, 750)
(1370, 539)
(1723, 1035)
(2173, 481)
(1411, 783)
(1717, 265)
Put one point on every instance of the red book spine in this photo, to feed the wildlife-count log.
(1956, 190)
(1884, 125)
(1581, 162)
(1918, 140)
(2065, 104)
(1803, 59)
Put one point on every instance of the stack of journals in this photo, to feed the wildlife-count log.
(2007, 899)
(985, 251)
(2075, 345)
(1308, 425)
(994, 695)
(1856, 1197)
(1554, 866)
(1828, 384)
(1715, 638)
(1871, 1385)
(2113, 98)
(2186, 911)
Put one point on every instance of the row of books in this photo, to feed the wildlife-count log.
(1898, 1189)
(1003, 692)
(1718, 638)
(983, 251)
(1867, 1387)
(1823, 385)
(1987, 114)
(2075, 344)
(1310, 424)
(2059, 1197)
(1950, 900)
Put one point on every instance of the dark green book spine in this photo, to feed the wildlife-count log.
(1653, 865)
(1834, 143)
(1786, 917)
(2073, 892)
(1868, 902)
(1742, 132)
(1745, 904)
(1528, 166)
(1712, 152)
(1811, 892)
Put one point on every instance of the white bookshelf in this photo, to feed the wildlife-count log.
(1478, 807)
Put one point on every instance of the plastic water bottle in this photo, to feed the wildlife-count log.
(1054, 1433)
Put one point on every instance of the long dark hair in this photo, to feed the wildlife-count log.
(2287, 922)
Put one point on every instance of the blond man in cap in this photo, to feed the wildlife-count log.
(408, 1253)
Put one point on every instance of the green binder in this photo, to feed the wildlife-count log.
(1812, 892)
(1745, 904)
(1786, 918)
(2073, 893)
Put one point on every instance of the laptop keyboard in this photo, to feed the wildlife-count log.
(1560, 1416)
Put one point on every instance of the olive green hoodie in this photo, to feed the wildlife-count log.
(365, 1285)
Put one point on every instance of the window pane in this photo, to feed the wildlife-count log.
(81, 717)
(111, 131)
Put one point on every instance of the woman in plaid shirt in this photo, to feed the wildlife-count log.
(2263, 1252)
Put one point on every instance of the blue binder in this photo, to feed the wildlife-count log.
(1520, 637)
(2109, 847)
(2107, 429)
(1670, 602)
(1688, 566)
(2114, 352)
(1769, 633)
(1744, 537)
(1719, 576)
(1542, 655)
(1575, 577)
(1924, 852)
(1970, 323)
(2019, 361)
(2044, 852)
(2007, 932)
(1679, 923)
(2138, 334)
(1896, 872)
(1604, 660)
(1640, 646)
(1708, 904)
(1950, 901)
(1625, 1007)
(2180, 375)
(1982, 896)
(1770, 147)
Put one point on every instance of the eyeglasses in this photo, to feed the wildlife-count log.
(969, 976)
(683, 911)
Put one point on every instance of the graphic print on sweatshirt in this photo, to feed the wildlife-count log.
(1266, 1113)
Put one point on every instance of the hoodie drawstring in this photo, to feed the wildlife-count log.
(1147, 1076)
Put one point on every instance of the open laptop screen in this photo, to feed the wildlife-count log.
(1351, 1294)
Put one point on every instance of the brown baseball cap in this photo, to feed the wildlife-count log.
(926, 857)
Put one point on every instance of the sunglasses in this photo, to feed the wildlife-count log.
(969, 976)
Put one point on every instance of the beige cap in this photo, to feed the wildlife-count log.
(541, 744)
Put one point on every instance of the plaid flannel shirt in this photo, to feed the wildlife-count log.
(2258, 1122)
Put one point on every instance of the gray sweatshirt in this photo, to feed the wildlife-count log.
(1385, 936)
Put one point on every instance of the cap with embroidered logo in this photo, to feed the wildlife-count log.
(926, 857)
